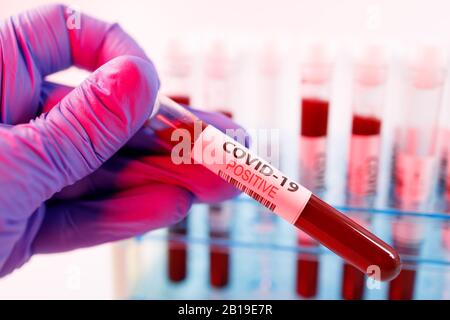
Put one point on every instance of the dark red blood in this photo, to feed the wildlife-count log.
(366, 126)
(347, 239)
(314, 118)
(307, 275)
(402, 287)
(177, 252)
(219, 261)
(181, 99)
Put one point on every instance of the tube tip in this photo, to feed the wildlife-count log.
(392, 268)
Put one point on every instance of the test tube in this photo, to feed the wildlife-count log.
(416, 158)
(315, 85)
(177, 86)
(217, 99)
(193, 142)
(369, 86)
(266, 142)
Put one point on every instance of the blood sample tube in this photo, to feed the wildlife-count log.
(370, 72)
(315, 79)
(219, 230)
(177, 251)
(177, 86)
(193, 142)
(315, 83)
(416, 158)
(217, 99)
(445, 168)
(266, 142)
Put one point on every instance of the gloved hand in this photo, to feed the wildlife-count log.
(63, 183)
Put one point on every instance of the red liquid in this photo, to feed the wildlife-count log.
(402, 287)
(314, 123)
(219, 262)
(307, 275)
(177, 253)
(366, 126)
(183, 100)
(353, 283)
(333, 229)
(314, 119)
(347, 239)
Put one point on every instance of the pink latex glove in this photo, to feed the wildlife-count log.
(63, 183)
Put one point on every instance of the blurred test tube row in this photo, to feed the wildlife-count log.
(366, 128)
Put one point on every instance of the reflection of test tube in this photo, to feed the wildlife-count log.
(217, 99)
(177, 86)
(364, 154)
(416, 158)
(315, 79)
(180, 130)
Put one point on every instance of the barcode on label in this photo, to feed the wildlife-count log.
(268, 204)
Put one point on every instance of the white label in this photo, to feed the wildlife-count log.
(249, 173)
(313, 155)
(363, 165)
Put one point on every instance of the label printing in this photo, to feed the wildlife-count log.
(237, 165)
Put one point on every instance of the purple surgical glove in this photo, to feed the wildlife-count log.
(76, 167)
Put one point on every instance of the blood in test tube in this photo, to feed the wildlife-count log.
(314, 107)
(370, 75)
(402, 287)
(366, 126)
(353, 280)
(284, 197)
(217, 99)
(181, 99)
(416, 158)
(177, 252)
(314, 121)
(314, 124)
(307, 267)
(219, 254)
(219, 224)
(177, 248)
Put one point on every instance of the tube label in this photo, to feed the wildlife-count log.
(313, 155)
(414, 177)
(256, 177)
(363, 165)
